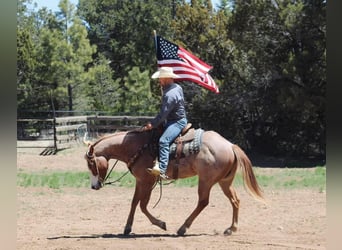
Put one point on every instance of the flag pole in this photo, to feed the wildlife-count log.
(155, 39)
(155, 43)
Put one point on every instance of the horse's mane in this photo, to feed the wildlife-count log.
(133, 131)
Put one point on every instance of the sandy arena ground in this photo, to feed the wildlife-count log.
(81, 218)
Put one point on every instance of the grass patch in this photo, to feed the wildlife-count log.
(293, 178)
(287, 178)
(53, 180)
(58, 180)
(188, 182)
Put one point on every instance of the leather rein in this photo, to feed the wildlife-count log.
(129, 165)
(107, 176)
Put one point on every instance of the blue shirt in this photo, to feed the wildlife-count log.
(172, 108)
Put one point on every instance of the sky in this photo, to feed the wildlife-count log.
(53, 4)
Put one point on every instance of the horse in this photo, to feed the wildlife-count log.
(216, 162)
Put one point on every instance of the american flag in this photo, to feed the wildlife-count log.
(187, 66)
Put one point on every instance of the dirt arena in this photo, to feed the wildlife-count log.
(81, 218)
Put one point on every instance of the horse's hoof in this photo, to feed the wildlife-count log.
(127, 230)
(229, 231)
(163, 226)
(181, 231)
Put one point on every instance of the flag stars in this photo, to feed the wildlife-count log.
(168, 51)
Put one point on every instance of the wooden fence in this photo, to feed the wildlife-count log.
(62, 132)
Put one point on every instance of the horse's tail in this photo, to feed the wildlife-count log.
(249, 179)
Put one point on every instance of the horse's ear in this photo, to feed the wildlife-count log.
(85, 141)
(90, 150)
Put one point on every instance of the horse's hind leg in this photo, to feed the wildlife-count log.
(203, 201)
(229, 191)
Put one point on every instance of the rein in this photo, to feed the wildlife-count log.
(112, 182)
(136, 155)
(129, 165)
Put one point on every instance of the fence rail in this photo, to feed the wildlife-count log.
(62, 132)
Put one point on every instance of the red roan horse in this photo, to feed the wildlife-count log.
(216, 162)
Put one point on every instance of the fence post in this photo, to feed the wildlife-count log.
(54, 134)
(89, 126)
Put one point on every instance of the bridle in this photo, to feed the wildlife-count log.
(92, 161)
(130, 163)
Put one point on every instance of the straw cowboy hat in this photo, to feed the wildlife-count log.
(164, 72)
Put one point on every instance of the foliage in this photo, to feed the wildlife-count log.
(136, 93)
(268, 58)
(61, 54)
(122, 31)
(268, 107)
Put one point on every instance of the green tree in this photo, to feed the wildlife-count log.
(123, 31)
(204, 32)
(268, 59)
(283, 98)
(101, 92)
(74, 54)
(32, 92)
(136, 95)
(60, 57)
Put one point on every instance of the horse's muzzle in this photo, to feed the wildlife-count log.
(97, 186)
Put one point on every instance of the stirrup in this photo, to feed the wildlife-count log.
(164, 177)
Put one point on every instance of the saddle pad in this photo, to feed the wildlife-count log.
(190, 147)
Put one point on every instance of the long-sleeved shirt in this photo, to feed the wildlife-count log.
(172, 108)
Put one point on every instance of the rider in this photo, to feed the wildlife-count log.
(172, 116)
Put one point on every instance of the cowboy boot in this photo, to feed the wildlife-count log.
(155, 169)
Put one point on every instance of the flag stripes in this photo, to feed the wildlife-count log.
(186, 65)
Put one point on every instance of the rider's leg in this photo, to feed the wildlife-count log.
(171, 132)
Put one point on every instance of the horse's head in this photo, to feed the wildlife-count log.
(98, 166)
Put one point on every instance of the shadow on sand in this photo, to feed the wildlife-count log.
(122, 236)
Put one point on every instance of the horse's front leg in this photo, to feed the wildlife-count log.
(145, 194)
(134, 203)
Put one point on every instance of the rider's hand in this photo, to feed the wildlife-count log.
(148, 126)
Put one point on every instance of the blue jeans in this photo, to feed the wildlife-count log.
(172, 130)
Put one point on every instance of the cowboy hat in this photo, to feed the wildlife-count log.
(164, 72)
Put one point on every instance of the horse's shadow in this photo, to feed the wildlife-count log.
(123, 236)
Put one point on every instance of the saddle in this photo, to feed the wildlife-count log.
(187, 142)
(187, 134)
